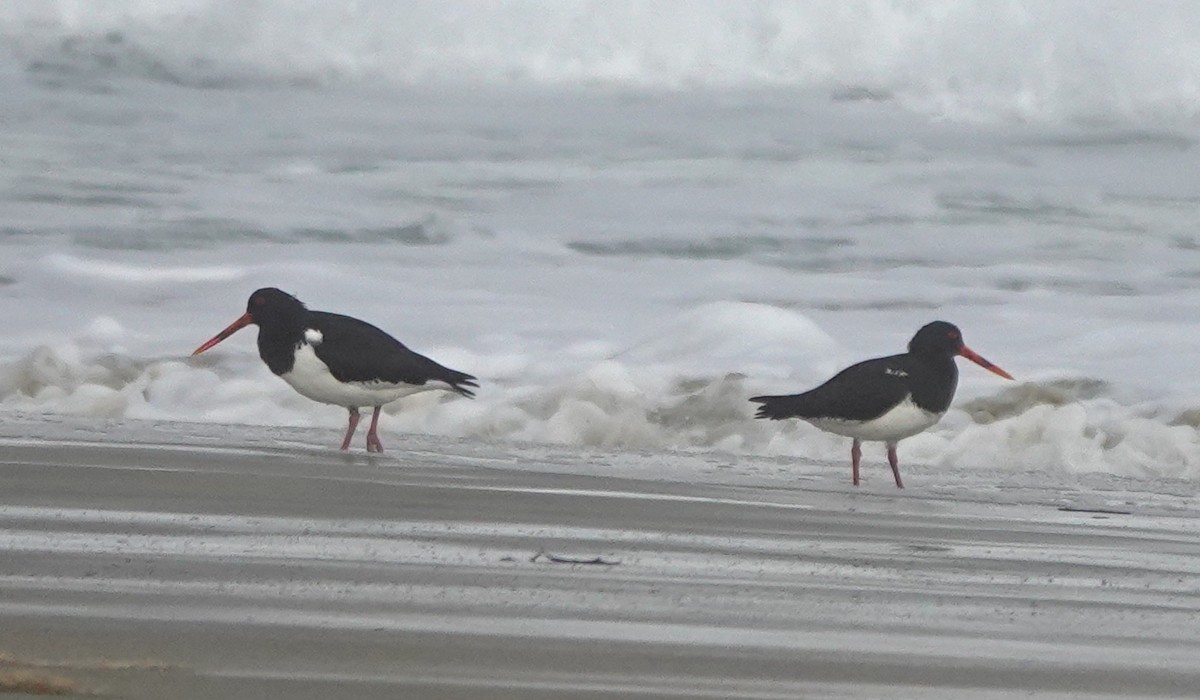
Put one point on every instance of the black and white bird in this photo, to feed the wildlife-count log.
(885, 399)
(338, 359)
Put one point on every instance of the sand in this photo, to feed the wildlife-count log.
(189, 561)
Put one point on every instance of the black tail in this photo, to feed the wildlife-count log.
(461, 382)
(777, 407)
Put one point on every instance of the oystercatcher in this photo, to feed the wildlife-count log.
(885, 399)
(338, 359)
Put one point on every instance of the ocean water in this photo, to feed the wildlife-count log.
(624, 218)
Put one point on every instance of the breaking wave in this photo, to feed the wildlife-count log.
(628, 402)
(954, 59)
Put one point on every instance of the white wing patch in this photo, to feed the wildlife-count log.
(312, 336)
(895, 372)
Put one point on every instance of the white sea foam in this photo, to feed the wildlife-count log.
(140, 274)
(611, 404)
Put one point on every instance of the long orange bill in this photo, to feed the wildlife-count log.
(234, 327)
(978, 359)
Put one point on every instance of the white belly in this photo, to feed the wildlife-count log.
(311, 378)
(905, 420)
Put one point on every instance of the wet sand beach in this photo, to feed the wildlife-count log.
(190, 561)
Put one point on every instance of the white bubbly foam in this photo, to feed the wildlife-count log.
(611, 404)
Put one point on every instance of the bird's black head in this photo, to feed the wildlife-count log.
(276, 313)
(943, 340)
(936, 339)
(270, 306)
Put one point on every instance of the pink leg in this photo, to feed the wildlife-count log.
(350, 428)
(373, 444)
(895, 462)
(855, 458)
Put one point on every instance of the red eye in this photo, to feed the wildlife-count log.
(953, 335)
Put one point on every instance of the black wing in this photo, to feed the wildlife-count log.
(356, 351)
(860, 392)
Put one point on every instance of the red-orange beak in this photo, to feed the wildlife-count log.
(977, 359)
(234, 327)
